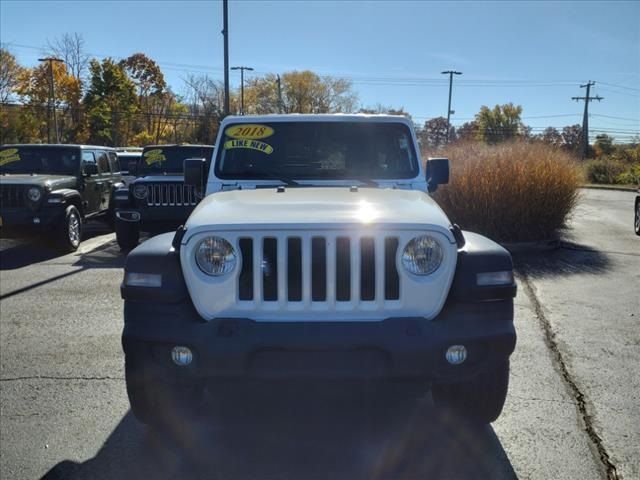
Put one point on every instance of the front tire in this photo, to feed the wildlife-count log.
(479, 399)
(70, 232)
(636, 223)
(127, 234)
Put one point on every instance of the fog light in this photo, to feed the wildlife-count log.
(456, 354)
(181, 356)
(36, 220)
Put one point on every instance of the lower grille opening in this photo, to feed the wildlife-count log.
(270, 270)
(318, 269)
(367, 269)
(391, 278)
(245, 281)
(343, 269)
(294, 269)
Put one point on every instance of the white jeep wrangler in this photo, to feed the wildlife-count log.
(318, 252)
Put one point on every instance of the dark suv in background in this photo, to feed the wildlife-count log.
(157, 200)
(52, 189)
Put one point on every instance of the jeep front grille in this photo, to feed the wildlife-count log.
(340, 269)
(171, 194)
(12, 196)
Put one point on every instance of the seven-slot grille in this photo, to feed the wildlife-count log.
(171, 194)
(328, 269)
(12, 196)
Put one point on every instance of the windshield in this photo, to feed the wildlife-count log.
(317, 150)
(125, 158)
(170, 159)
(35, 159)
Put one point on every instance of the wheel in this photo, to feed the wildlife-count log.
(127, 234)
(157, 403)
(70, 231)
(636, 224)
(480, 399)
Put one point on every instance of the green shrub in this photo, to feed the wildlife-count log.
(603, 170)
(510, 192)
(631, 176)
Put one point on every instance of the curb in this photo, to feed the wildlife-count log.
(610, 187)
(532, 247)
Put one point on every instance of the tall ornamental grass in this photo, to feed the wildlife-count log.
(511, 192)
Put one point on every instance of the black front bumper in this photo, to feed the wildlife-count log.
(24, 222)
(393, 348)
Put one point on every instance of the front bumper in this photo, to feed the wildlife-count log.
(393, 348)
(24, 222)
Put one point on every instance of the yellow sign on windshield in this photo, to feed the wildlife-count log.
(9, 156)
(249, 131)
(251, 144)
(154, 156)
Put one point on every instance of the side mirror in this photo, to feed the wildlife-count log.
(133, 168)
(437, 173)
(194, 172)
(90, 169)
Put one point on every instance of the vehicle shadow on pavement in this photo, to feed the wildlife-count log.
(567, 259)
(20, 253)
(108, 255)
(314, 434)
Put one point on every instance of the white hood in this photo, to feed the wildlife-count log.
(329, 207)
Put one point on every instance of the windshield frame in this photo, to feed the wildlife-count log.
(414, 173)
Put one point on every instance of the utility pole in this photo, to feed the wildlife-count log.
(242, 69)
(52, 99)
(585, 118)
(225, 33)
(279, 94)
(451, 73)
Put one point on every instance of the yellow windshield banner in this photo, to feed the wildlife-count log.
(249, 131)
(154, 156)
(251, 144)
(9, 156)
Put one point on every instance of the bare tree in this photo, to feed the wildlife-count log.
(70, 48)
(205, 98)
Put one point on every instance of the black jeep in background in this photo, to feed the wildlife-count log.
(52, 189)
(157, 200)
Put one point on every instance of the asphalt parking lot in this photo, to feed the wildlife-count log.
(573, 409)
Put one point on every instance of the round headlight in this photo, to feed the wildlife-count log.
(34, 194)
(422, 255)
(215, 256)
(140, 192)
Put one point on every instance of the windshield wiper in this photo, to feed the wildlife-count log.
(271, 176)
(366, 181)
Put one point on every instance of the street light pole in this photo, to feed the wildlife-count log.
(451, 73)
(225, 34)
(242, 69)
(52, 99)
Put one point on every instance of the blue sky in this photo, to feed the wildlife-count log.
(530, 53)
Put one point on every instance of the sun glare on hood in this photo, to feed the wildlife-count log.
(366, 212)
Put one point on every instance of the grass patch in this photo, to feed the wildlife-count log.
(511, 192)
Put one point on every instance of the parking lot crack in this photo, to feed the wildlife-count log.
(574, 389)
